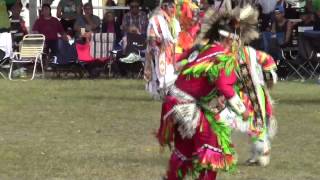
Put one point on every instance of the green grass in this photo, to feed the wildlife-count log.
(103, 129)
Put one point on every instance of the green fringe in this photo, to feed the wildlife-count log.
(223, 132)
(226, 62)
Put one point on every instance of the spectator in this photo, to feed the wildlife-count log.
(110, 3)
(50, 27)
(18, 28)
(284, 4)
(280, 34)
(308, 6)
(128, 57)
(268, 6)
(110, 25)
(316, 18)
(5, 36)
(88, 21)
(68, 11)
(135, 17)
(281, 27)
(307, 19)
(132, 30)
(150, 4)
(308, 40)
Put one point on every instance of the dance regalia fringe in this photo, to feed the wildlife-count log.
(253, 92)
(184, 118)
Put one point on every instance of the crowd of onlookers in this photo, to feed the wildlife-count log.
(286, 27)
(75, 20)
(78, 21)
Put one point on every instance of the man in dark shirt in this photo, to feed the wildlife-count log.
(50, 27)
(18, 28)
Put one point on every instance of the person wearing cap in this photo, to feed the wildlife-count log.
(267, 7)
(280, 34)
(281, 27)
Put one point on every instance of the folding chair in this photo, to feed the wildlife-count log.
(66, 61)
(136, 44)
(315, 65)
(290, 56)
(31, 51)
(314, 57)
(101, 49)
(3, 64)
(89, 63)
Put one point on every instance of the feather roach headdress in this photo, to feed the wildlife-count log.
(237, 23)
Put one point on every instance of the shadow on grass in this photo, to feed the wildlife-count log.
(131, 98)
(300, 101)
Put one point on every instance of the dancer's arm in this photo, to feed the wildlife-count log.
(225, 85)
(269, 67)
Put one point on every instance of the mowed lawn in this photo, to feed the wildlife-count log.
(103, 129)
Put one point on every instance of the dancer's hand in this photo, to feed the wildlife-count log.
(221, 102)
(147, 74)
(245, 115)
(270, 84)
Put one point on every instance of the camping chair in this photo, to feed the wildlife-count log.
(66, 60)
(89, 63)
(101, 46)
(290, 57)
(315, 64)
(314, 57)
(31, 51)
(3, 64)
(136, 44)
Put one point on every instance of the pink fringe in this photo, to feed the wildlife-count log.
(215, 159)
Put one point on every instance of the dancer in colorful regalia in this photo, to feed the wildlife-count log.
(261, 125)
(188, 15)
(190, 122)
(255, 67)
(162, 36)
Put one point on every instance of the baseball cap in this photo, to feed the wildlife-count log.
(279, 9)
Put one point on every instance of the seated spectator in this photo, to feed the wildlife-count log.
(306, 19)
(129, 58)
(267, 9)
(5, 36)
(280, 34)
(110, 25)
(316, 19)
(132, 30)
(284, 4)
(68, 11)
(18, 28)
(135, 17)
(281, 27)
(87, 22)
(308, 40)
(110, 3)
(50, 27)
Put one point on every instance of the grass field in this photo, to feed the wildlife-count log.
(103, 129)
